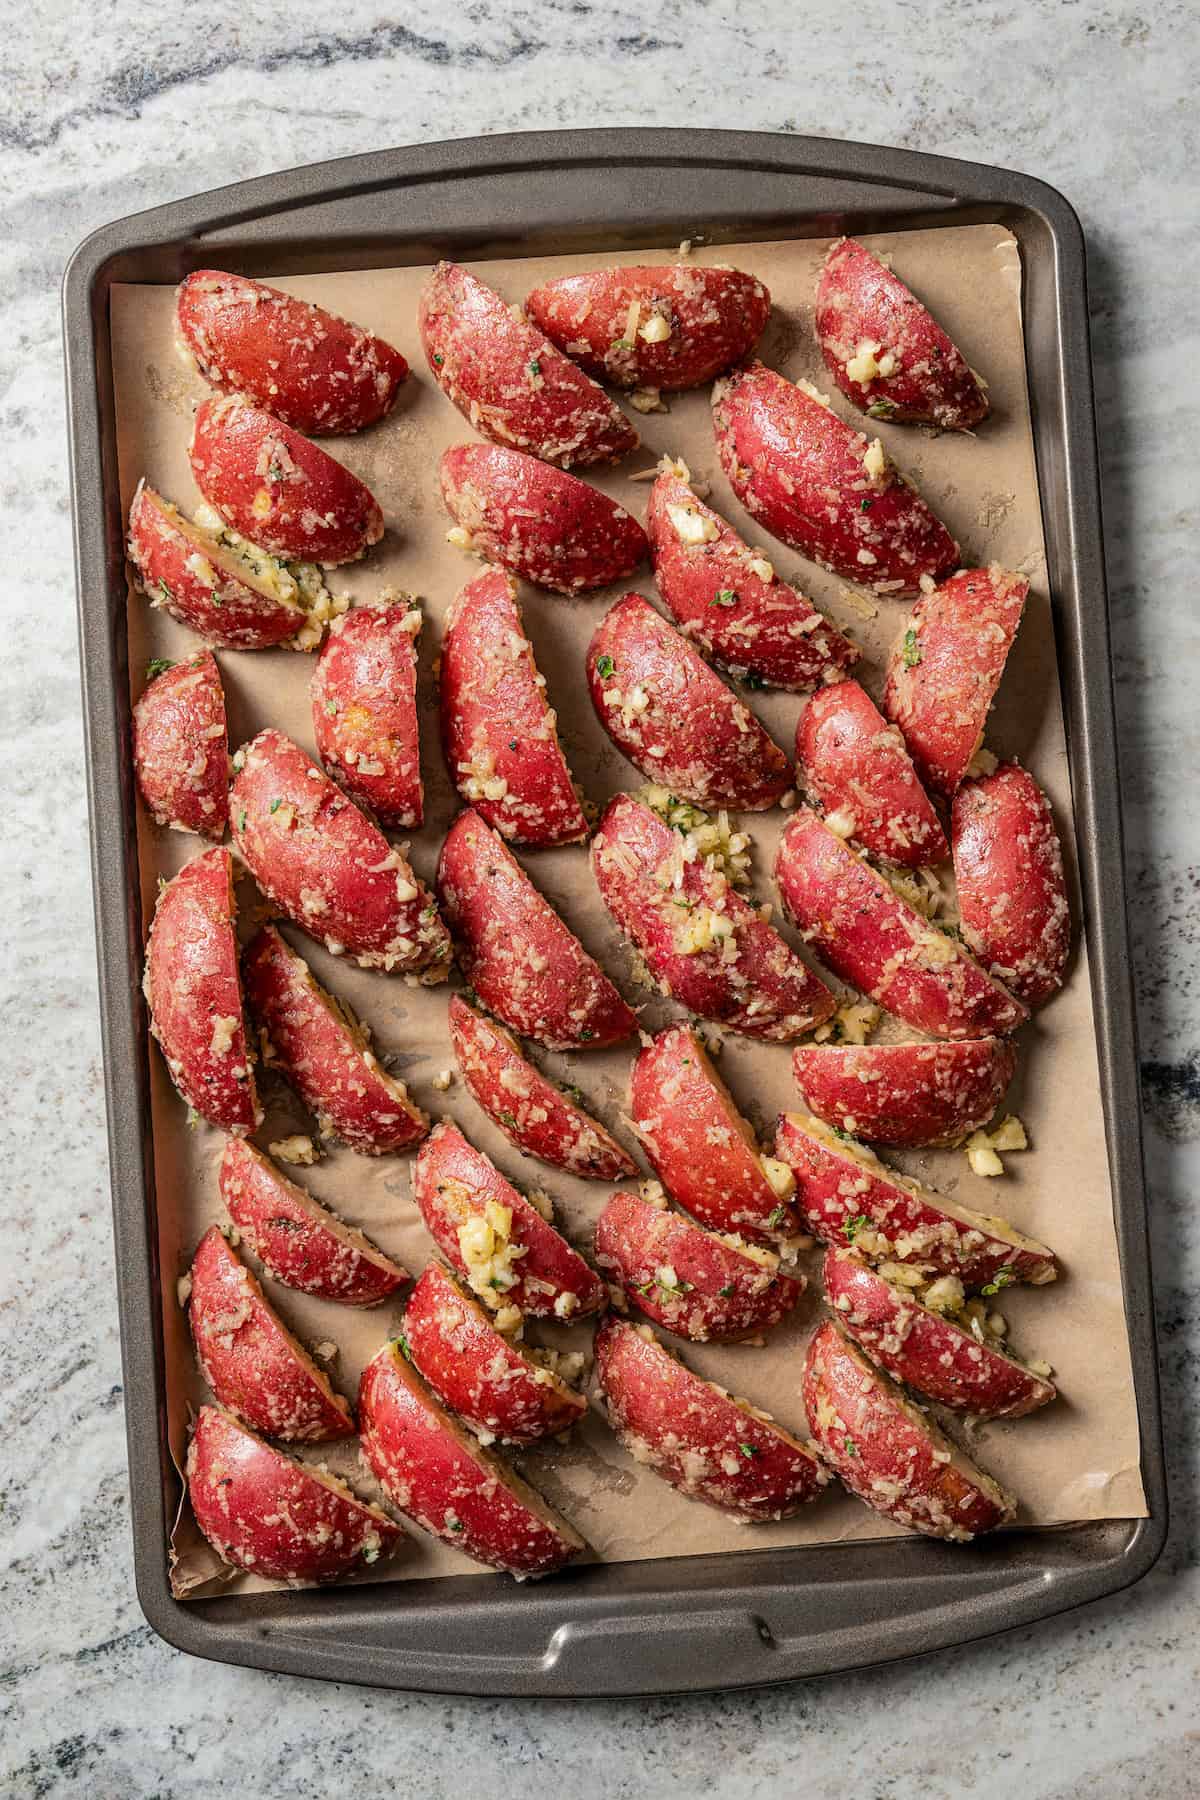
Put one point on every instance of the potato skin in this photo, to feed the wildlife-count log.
(852, 761)
(180, 749)
(508, 379)
(537, 521)
(715, 317)
(860, 301)
(315, 371)
(308, 1036)
(187, 573)
(321, 860)
(763, 990)
(845, 1195)
(861, 928)
(522, 961)
(440, 1477)
(718, 1290)
(674, 718)
(905, 1095)
(716, 593)
(800, 472)
(533, 1114)
(264, 1512)
(1012, 892)
(696, 1437)
(888, 1453)
(299, 1242)
(477, 1372)
(453, 1181)
(499, 732)
(194, 995)
(364, 708)
(925, 1351)
(249, 1358)
(279, 489)
(945, 667)
(699, 1145)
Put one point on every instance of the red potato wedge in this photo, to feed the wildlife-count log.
(523, 962)
(499, 732)
(705, 946)
(491, 1383)
(727, 597)
(321, 1051)
(1012, 892)
(699, 1145)
(945, 667)
(688, 1280)
(250, 1359)
(509, 381)
(537, 521)
(299, 1242)
(316, 372)
(824, 488)
(696, 1436)
(277, 488)
(533, 1114)
(676, 721)
(180, 748)
(905, 1094)
(890, 1453)
(924, 1349)
(235, 601)
(439, 1476)
(862, 930)
(195, 997)
(323, 863)
(856, 767)
(509, 1254)
(266, 1513)
(886, 351)
(364, 707)
(845, 1195)
(669, 326)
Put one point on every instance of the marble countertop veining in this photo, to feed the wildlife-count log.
(110, 108)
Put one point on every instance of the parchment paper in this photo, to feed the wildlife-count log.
(1076, 1460)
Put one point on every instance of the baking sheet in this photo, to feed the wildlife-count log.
(1079, 1460)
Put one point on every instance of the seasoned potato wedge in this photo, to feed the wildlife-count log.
(537, 521)
(364, 708)
(535, 1115)
(890, 1453)
(316, 372)
(696, 1436)
(299, 1242)
(277, 488)
(676, 721)
(706, 946)
(824, 488)
(525, 965)
(499, 1389)
(266, 1513)
(857, 769)
(1012, 892)
(250, 1359)
(499, 731)
(194, 995)
(905, 1094)
(434, 1472)
(180, 748)
(508, 379)
(666, 326)
(688, 1280)
(321, 1051)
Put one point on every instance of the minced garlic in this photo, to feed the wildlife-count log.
(299, 1149)
(981, 1146)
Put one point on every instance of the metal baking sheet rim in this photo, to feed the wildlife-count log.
(699, 1623)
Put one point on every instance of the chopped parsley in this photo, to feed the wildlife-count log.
(216, 598)
(881, 409)
(535, 367)
(748, 1449)
(1001, 1279)
(509, 1119)
(275, 805)
(724, 597)
(753, 681)
(438, 359)
(849, 1446)
(624, 343)
(912, 650)
(456, 1525)
(158, 665)
(852, 1227)
(865, 504)
(605, 666)
(242, 820)
(165, 591)
(401, 1343)
(777, 1217)
(331, 708)
(726, 1290)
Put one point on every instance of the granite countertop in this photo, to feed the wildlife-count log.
(115, 108)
